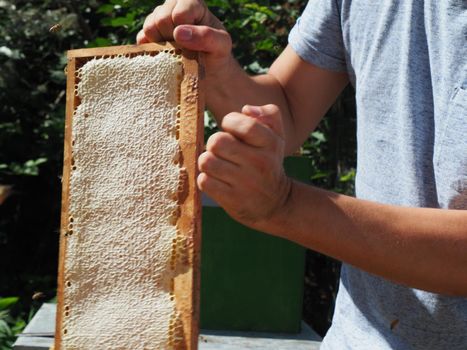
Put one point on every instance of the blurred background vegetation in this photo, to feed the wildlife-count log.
(32, 109)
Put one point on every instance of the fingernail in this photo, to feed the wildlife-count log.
(254, 111)
(185, 34)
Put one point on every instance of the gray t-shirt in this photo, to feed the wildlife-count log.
(408, 62)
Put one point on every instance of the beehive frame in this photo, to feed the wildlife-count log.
(190, 140)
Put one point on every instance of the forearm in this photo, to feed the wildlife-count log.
(230, 89)
(303, 92)
(419, 247)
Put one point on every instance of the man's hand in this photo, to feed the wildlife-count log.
(242, 166)
(192, 26)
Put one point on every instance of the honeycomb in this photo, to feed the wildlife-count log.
(122, 241)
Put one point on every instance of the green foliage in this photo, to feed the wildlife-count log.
(6, 303)
(121, 20)
(32, 108)
(29, 167)
(32, 84)
(10, 326)
(259, 29)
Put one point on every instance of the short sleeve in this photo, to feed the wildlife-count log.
(317, 36)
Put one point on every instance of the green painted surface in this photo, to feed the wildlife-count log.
(249, 280)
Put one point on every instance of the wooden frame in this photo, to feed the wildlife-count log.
(186, 285)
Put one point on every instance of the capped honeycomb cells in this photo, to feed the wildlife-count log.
(123, 247)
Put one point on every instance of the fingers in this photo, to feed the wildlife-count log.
(228, 147)
(218, 168)
(241, 160)
(191, 25)
(249, 130)
(215, 177)
(141, 38)
(242, 166)
(203, 38)
(269, 115)
(190, 12)
(162, 19)
(158, 26)
(215, 188)
(150, 30)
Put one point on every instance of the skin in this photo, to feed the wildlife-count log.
(266, 117)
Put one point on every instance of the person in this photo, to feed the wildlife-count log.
(404, 278)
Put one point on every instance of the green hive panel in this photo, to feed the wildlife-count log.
(250, 280)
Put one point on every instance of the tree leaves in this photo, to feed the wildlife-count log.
(10, 327)
(28, 168)
(6, 303)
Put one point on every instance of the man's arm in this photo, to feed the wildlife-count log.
(242, 170)
(303, 92)
(419, 247)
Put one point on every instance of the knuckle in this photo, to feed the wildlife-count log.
(148, 31)
(207, 184)
(212, 38)
(162, 19)
(217, 142)
(149, 27)
(272, 108)
(202, 181)
(157, 11)
(182, 16)
(207, 34)
(230, 117)
(206, 161)
(189, 12)
(140, 36)
(201, 161)
(250, 128)
(149, 20)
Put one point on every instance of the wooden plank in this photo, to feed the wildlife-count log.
(129, 49)
(71, 104)
(190, 139)
(189, 224)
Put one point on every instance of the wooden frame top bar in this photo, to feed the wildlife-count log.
(128, 49)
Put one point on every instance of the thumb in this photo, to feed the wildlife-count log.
(270, 115)
(203, 38)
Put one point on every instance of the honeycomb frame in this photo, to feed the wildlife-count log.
(185, 250)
